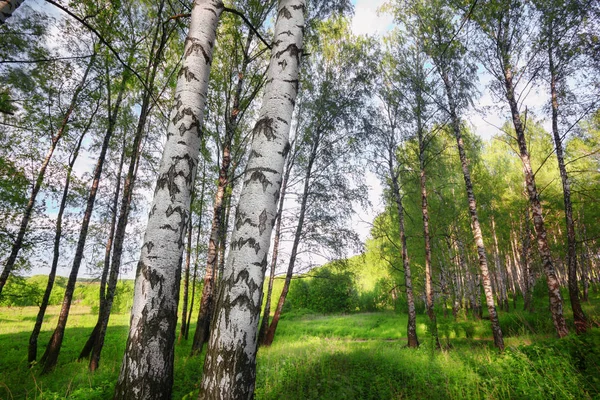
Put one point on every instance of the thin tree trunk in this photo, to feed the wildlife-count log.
(50, 356)
(89, 344)
(128, 188)
(147, 369)
(264, 326)
(230, 366)
(581, 323)
(270, 335)
(411, 329)
(429, 294)
(555, 298)
(210, 278)
(475, 225)
(16, 247)
(7, 8)
(208, 291)
(197, 255)
(186, 279)
(33, 339)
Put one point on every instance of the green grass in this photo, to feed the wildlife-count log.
(354, 356)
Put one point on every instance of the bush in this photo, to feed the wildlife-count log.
(326, 291)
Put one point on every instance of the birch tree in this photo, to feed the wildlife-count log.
(456, 72)
(559, 23)
(147, 368)
(503, 24)
(229, 368)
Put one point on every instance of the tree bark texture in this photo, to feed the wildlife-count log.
(210, 276)
(16, 247)
(230, 366)
(556, 303)
(147, 368)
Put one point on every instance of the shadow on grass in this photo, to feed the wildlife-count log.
(71, 379)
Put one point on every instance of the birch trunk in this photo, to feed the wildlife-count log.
(197, 255)
(270, 335)
(556, 302)
(50, 357)
(581, 323)
(429, 295)
(230, 366)
(147, 368)
(87, 348)
(16, 247)
(7, 8)
(411, 330)
(33, 339)
(186, 278)
(264, 326)
(128, 187)
(475, 226)
(210, 277)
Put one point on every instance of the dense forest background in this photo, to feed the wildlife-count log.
(480, 121)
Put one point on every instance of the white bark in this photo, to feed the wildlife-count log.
(7, 8)
(229, 369)
(147, 369)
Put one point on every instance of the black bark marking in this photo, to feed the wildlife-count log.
(283, 64)
(294, 82)
(288, 33)
(262, 222)
(255, 154)
(282, 120)
(149, 245)
(196, 47)
(286, 149)
(241, 242)
(285, 13)
(299, 7)
(261, 178)
(168, 179)
(188, 75)
(265, 126)
(293, 50)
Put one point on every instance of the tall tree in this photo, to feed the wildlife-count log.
(504, 26)
(329, 105)
(560, 22)
(18, 243)
(234, 62)
(457, 71)
(33, 338)
(147, 369)
(230, 365)
(50, 357)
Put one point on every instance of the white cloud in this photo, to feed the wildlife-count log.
(367, 21)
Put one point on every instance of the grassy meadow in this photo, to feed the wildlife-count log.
(351, 356)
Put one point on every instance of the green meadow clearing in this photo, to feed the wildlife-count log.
(344, 356)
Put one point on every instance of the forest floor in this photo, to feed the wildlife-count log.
(353, 356)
